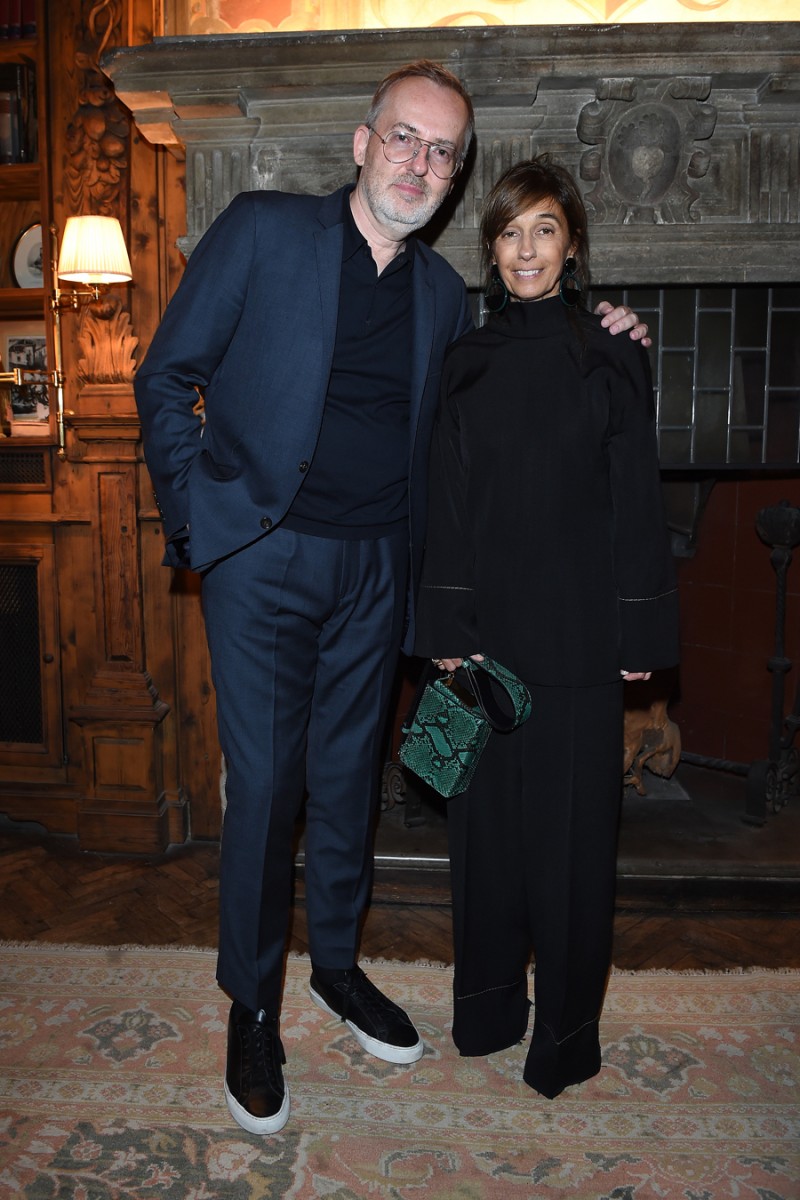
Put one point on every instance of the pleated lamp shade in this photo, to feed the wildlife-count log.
(93, 251)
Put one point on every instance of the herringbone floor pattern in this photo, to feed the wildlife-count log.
(51, 891)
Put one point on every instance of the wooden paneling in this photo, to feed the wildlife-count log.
(110, 608)
(40, 672)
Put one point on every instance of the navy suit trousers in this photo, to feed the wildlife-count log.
(303, 633)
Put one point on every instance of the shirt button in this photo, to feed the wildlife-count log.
(304, 466)
(266, 523)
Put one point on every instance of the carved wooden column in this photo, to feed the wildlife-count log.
(128, 793)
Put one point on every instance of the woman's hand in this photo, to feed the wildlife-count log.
(617, 320)
(451, 664)
(633, 676)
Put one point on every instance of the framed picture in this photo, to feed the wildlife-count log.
(27, 267)
(24, 344)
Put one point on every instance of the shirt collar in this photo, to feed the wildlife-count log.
(354, 239)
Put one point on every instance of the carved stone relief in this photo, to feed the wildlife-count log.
(218, 166)
(689, 154)
(646, 133)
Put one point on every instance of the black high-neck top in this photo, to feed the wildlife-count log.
(547, 546)
(537, 318)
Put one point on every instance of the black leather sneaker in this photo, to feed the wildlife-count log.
(379, 1025)
(255, 1093)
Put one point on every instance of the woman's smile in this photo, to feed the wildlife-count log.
(530, 251)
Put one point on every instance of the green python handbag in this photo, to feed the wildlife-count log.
(444, 736)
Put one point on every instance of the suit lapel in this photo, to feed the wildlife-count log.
(423, 319)
(328, 242)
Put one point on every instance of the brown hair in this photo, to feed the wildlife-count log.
(518, 189)
(424, 68)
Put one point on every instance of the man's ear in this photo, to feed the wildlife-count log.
(360, 143)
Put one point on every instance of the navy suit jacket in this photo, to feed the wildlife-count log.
(252, 327)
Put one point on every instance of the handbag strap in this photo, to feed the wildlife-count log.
(502, 698)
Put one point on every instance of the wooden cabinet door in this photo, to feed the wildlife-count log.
(30, 685)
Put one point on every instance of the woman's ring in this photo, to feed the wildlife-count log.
(437, 662)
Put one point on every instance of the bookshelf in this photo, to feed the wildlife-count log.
(25, 269)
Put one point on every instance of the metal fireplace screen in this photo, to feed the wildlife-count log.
(726, 371)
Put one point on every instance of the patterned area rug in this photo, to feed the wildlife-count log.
(112, 1060)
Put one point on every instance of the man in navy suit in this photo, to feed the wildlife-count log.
(315, 329)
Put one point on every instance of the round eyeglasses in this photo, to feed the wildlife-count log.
(400, 147)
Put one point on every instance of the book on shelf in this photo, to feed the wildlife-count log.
(9, 127)
(18, 19)
(14, 18)
(29, 29)
(18, 118)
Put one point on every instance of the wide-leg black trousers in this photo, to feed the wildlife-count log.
(533, 866)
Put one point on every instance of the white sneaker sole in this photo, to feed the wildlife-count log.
(399, 1055)
(262, 1125)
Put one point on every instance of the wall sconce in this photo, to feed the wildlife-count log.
(93, 253)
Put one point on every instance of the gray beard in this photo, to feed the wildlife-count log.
(399, 214)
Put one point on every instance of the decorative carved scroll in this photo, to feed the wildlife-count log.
(95, 181)
(646, 131)
(99, 133)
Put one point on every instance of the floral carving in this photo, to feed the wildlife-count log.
(99, 133)
(107, 342)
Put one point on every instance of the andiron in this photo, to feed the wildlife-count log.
(772, 781)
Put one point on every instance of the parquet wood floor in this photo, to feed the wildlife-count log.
(52, 892)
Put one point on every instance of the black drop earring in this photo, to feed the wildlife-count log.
(495, 298)
(569, 289)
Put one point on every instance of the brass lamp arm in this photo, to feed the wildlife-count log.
(19, 376)
(14, 377)
(70, 299)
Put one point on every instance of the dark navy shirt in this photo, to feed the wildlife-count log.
(357, 484)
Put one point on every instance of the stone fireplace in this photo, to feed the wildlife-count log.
(686, 137)
(686, 140)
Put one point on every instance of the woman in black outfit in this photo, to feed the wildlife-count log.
(547, 550)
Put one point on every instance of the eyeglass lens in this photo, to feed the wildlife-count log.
(401, 147)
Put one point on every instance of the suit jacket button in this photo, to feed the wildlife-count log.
(303, 466)
(266, 523)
